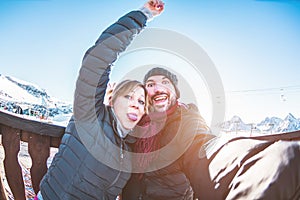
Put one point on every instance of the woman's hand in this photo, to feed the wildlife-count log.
(156, 7)
(108, 95)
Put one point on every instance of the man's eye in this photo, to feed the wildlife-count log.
(141, 102)
(165, 82)
(150, 85)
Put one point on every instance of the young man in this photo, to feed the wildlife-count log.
(178, 132)
(241, 168)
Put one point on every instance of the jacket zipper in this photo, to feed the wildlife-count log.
(121, 159)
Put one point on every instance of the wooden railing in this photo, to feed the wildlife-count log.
(40, 136)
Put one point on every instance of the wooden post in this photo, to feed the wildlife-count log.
(11, 138)
(39, 151)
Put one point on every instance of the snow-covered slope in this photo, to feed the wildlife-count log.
(25, 98)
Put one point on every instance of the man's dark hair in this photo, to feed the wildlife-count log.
(163, 72)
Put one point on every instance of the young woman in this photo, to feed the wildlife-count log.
(93, 161)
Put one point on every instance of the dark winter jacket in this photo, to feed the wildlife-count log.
(91, 163)
(234, 169)
(176, 173)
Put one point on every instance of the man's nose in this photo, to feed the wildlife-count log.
(158, 88)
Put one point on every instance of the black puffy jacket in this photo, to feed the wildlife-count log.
(91, 163)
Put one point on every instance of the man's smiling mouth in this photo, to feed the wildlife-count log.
(160, 98)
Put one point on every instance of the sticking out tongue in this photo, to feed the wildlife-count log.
(132, 117)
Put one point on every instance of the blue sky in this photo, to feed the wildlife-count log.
(255, 45)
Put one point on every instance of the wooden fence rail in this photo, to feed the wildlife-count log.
(40, 136)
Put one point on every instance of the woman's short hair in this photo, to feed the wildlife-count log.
(125, 87)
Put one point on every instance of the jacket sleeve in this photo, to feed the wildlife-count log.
(97, 62)
(194, 164)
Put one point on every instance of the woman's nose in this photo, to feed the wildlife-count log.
(133, 103)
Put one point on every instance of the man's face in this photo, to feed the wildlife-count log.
(161, 93)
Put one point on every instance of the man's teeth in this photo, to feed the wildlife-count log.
(160, 98)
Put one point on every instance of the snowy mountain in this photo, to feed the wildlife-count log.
(277, 125)
(236, 124)
(268, 126)
(25, 98)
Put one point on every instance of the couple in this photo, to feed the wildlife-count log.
(104, 144)
(147, 145)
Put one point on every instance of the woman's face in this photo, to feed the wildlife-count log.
(130, 108)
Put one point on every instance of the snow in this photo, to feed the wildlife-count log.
(47, 109)
(12, 92)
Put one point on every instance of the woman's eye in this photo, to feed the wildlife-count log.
(141, 102)
(127, 96)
